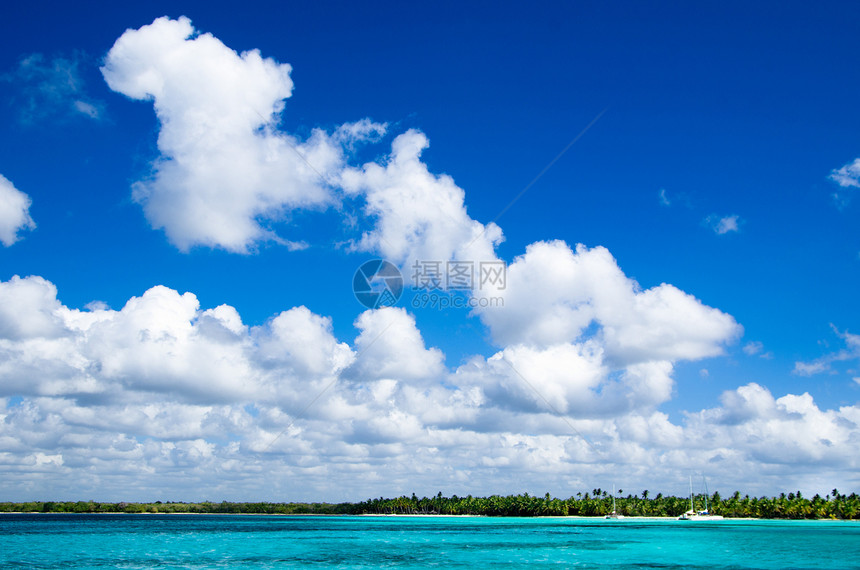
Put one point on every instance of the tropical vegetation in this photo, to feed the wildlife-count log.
(597, 503)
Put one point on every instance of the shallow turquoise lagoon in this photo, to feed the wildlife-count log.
(211, 541)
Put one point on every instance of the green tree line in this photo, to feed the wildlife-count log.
(170, 507)
(599, 503)
(596, 503)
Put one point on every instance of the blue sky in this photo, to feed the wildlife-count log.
(719, 164)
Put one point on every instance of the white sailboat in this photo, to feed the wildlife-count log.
(693, 514)
(614, 514)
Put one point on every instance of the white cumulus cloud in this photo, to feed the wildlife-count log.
(225, 172)
(557, 295)
(163, 396)
(29, 309)
(418, 216)
(568, 379)
(787, 431)
(391, 346)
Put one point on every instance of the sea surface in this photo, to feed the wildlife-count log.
(228, 541)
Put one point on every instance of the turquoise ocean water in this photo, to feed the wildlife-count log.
(212, 541)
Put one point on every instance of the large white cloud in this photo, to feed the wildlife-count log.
(225, 171)
(790, 434)
(165, 397)
(14, 212)
(159, 345)
(557, 295)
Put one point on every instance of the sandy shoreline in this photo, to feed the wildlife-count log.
(437, 516)
(559, 517)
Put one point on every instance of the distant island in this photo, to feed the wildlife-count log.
(595, 504)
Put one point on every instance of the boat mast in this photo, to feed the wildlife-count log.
(691, 494)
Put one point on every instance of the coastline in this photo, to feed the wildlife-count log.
(440, 516)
